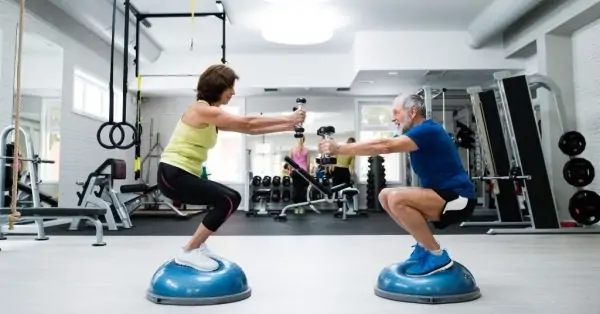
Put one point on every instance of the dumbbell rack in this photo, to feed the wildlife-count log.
(375, 182)
(267, 193)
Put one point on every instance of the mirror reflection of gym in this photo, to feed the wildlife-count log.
(40, 116)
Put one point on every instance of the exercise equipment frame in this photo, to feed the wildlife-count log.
(37, 214)
(534, 82)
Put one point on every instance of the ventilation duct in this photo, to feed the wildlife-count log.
(97, 16)
(496, 18)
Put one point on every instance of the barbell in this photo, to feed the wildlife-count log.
(36, 160)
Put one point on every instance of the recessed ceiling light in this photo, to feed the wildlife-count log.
(393, 73)
(366, 82)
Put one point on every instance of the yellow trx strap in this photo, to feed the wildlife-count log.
(14, 213)
(193, 11)
(137, 161)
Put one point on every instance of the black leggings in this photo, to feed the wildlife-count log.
(340, 175)
(180, 185)
(299, 187)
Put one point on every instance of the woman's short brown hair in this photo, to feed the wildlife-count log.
(214, 81)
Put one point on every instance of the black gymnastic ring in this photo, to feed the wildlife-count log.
(99, 135)
(119, 126)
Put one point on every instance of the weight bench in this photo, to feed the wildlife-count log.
(349, 196)
(39, 214)
(262, 196)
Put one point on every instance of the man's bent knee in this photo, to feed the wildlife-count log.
(383, 197)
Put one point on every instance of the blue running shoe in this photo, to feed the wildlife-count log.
(417, 253)
(430, 264)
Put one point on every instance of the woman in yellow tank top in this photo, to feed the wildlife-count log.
(343, 170)
(195, 133)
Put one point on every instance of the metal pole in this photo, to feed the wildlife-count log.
(224, 23)
(137, 47)
(143, 16)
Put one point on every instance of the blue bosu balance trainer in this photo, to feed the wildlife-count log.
(453, 285)
(176, 284)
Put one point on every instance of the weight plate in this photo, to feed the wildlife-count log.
(572, 143)
(584, 207)
(579, 172)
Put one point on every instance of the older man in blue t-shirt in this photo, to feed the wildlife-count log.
(446, 196)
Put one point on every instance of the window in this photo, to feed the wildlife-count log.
(377, 113)
(391, 161)
(91, 98)
(224, 162)
(50, 146)
(267, 159)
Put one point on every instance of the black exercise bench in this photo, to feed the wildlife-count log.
(329, 192)
(39, 214)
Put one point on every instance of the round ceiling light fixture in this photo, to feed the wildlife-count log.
(298, 24)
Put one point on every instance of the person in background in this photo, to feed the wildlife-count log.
(299, 154)
(343, 170)
(286, 171)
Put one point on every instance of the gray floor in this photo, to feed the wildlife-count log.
(299, 274)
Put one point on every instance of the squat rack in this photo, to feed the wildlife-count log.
(142, 18)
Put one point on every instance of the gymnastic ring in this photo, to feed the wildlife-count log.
(99, 135)
(119, 126)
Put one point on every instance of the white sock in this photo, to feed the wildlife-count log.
(437, 252)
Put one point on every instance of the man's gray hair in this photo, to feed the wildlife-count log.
(409, 101)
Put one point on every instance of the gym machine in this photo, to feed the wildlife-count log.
(347, 194)
(98, 191)
(501, 174)
(38, 214)
(521, 128)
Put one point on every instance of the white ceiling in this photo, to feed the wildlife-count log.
(243, 36)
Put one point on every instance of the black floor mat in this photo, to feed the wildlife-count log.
(238, 224)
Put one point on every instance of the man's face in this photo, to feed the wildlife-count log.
(402, 118)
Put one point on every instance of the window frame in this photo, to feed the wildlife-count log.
(90, 81)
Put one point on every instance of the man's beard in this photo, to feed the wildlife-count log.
(405, 126)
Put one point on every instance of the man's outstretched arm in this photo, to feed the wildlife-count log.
(401, 144)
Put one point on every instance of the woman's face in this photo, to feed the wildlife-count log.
(226, 95)
(301, 141)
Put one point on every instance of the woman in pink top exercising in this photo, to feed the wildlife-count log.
(300, 155)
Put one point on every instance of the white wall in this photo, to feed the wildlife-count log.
(42, 73)
(586, 74)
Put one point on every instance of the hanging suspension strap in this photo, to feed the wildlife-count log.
(137, 160)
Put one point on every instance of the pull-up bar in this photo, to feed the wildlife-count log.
(142, 18)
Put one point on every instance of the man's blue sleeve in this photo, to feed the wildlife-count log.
(421, 135)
